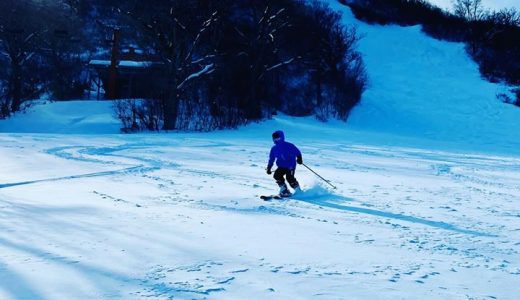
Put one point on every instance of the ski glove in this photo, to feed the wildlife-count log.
(269, 171)
(299, 160)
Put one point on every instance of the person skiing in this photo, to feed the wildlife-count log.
(286, 156)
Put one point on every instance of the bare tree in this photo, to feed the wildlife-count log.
(228, 62)
(63, 46)
(506, 16)
(260, 46)
(176, 35)
(24, 27)
(17, 44)
(471, 10)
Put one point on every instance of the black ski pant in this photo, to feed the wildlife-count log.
(280, 173)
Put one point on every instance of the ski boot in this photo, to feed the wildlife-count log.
(284, 191)
(297, 190)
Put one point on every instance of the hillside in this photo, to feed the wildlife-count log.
(429, 89)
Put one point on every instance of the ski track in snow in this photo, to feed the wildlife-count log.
(441, 215)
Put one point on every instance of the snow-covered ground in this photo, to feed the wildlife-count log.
(177, 216)
(426, 205)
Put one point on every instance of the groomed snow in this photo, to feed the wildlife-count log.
(177, 216)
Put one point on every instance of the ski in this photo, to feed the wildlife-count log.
(271, 197)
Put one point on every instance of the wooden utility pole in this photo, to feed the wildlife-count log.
(114, 61)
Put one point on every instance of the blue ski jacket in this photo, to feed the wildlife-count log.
(284, 153)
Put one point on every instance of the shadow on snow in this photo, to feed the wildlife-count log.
(373, 212)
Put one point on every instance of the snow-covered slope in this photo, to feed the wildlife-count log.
(79, 117)
(426, 88)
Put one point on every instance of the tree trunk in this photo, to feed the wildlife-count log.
(171, 104)
(16, 86)
(252, 96)
(318, 89)
(170, 112)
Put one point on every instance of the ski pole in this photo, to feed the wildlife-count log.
(319, 176)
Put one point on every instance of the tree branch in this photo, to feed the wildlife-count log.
(206, 70)
(205, 26)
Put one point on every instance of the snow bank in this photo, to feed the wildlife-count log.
(78, 117)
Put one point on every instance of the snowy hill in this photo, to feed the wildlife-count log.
(79, 117)
(429, 89)
(426, 205)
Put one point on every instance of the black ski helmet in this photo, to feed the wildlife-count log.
(278, 136)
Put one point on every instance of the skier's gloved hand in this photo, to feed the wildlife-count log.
(269, 171)
(299, 160)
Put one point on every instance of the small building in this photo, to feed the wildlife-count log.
(128, 74)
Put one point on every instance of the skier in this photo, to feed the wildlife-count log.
(286, 156)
